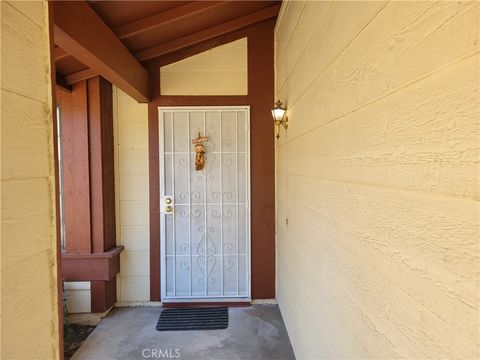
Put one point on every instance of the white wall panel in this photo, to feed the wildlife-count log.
(132, 196)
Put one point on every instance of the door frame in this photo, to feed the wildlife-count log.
(161, 152)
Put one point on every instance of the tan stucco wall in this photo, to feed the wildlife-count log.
(378, 176)
(219, 71)
(29, 325)
(131, 178)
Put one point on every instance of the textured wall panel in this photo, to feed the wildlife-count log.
(378, 179)
(28, 249)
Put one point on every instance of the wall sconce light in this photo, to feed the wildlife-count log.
(279, 117)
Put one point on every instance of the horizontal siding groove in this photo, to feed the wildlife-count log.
(386, 95)
(281, 51)
(40, 27)
(365, 71)
(375, 270)
(281, 15)
(134, 174)
(448, 21)
(48, 178)
(28, 259)
(314, 80)
(134, 251)
(434, 195)
(374, 324)
(23, 95)
(295, 29)
(279, 88)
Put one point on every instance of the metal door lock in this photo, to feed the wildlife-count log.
(168, 201)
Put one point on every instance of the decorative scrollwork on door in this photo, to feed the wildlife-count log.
(205, 178)
(206, 260)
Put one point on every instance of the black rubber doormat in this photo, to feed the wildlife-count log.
(193, 319)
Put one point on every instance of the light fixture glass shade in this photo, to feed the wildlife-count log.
(278, 112)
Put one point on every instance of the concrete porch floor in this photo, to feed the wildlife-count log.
(255, 332)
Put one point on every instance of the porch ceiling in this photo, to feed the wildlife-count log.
(148, 30)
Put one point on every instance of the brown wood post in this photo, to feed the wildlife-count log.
(76, 174)
(154, 184)
(102, 189)
(91, 253)
(261, 98)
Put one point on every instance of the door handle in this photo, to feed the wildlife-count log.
(168, 209)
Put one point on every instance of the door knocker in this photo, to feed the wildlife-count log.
(199, 151)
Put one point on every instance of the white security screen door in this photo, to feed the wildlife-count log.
(205, 213)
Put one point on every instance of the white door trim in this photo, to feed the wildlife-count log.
(163, 269)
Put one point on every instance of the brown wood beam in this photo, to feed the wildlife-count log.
(84, 35)
(62, 83)
(207, 45)
(80, 76)
(60, 54)
(209, 33)
(166, 17)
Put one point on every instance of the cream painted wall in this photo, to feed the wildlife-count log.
(28, 246)
(219, 71)
(378, 176)
(131, 167)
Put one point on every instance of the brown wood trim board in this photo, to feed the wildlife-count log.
(260, 98)
(92, 267)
